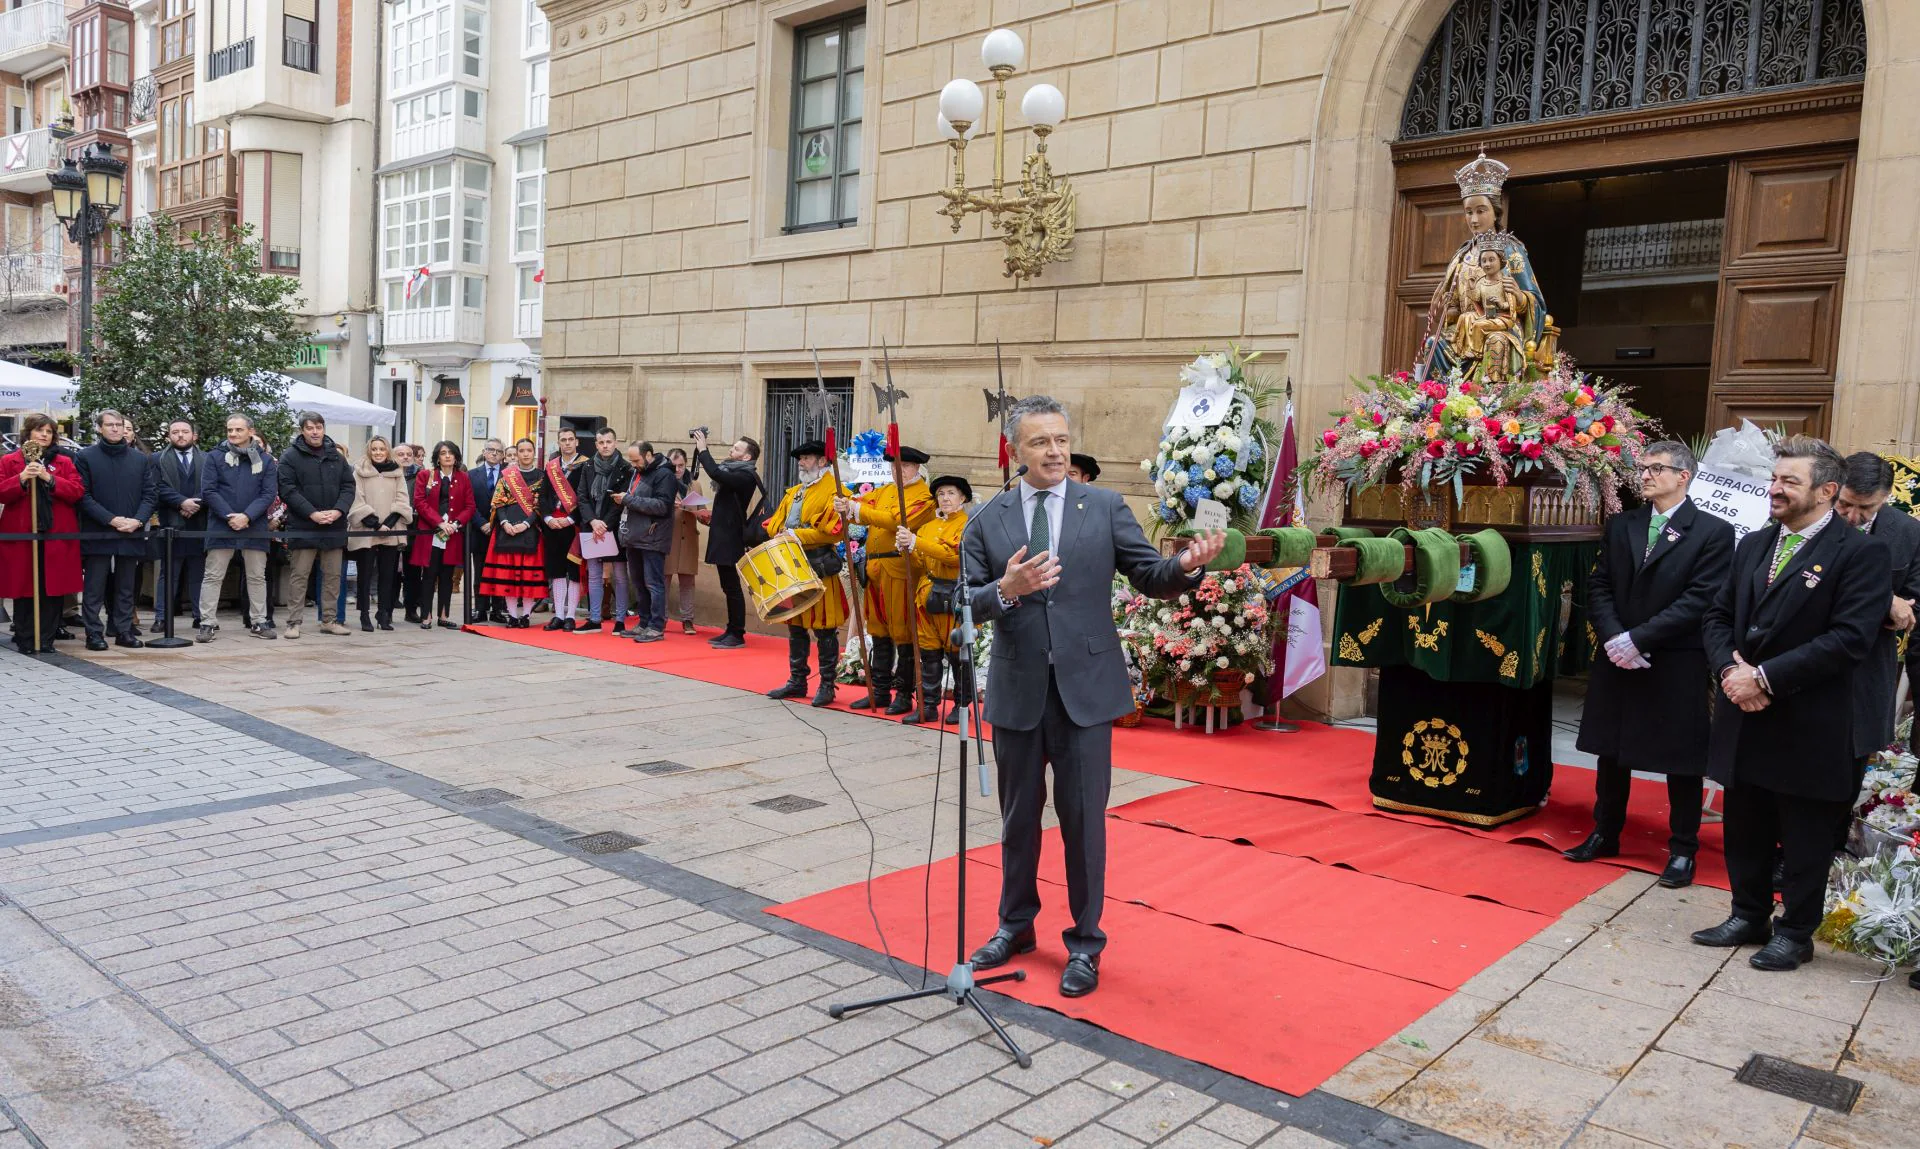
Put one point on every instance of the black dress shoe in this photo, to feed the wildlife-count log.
(1000, 948)
(1595, 846)
(96, 644)
(1679, 872)
(1081, 977)
(128, 641)
(1734, 932)
(554, 624)
(728, 642)
(1782, 955)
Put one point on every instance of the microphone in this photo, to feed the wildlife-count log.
(1017, 473)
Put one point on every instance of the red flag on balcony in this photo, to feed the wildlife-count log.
(418, 280)
(540, 276)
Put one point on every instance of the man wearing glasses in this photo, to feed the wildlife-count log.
(1649, 702)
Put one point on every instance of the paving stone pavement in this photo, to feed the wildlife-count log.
(375, 967)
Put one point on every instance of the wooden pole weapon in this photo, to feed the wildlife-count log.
(823, 403)
(891, 397)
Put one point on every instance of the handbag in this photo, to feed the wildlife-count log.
(827, 562)
(753, 532)
(943, 595)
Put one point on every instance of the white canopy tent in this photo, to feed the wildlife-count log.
(24, 388)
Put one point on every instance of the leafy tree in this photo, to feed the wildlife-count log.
(190, 327)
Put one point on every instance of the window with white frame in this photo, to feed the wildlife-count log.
(529, 199)
(417, 219)
(473, 42)
(418, 119)
(473, 213)
(420, 35)
(537, 93)
(829, 90)
(534, 41)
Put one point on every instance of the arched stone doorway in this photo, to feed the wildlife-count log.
(1364, 172)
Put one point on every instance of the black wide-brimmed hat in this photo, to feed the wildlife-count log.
(910, 455)
(965, 488)
(1089, 466)
(810, 447)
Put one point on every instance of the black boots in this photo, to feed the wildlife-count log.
(903, 656)
(797, 642)
(879, 677)
(829, 643)
(929, 688)
(366, 620)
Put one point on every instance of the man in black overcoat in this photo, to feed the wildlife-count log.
(1650, 704)
(1863, 502)
(180, 466)
(485, 476)
(1786, 637)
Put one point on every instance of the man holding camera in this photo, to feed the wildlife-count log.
(735, 479)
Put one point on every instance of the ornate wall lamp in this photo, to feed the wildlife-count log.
(1037, 223)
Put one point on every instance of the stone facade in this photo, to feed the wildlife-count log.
(1235, 184)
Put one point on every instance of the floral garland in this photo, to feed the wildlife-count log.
(1225, 462)
(1217, 629)
(1435, 432)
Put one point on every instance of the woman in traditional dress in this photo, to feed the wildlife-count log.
(515, 569)
(443, 504)
(935, 553)
(38, 497)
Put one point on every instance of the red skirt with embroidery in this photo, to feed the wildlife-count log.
(513, 573)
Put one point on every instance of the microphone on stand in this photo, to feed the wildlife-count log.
(1017, 472)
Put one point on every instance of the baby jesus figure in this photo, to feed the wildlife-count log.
(1492, 322)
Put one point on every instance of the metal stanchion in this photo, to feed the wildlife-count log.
(167, 641)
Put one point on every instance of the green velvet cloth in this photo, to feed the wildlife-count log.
(1513, 639)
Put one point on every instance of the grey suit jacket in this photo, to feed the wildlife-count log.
(1067, 631)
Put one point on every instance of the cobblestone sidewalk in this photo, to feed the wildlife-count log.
(300, 954)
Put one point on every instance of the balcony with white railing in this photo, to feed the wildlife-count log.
(428, 123)
(411, 327)
(32, 273)
(25, 159)
(33, 36)
(527, 315)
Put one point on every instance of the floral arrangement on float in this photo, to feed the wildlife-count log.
(1440, 432)
(1205, 454)
(1210, 642)
(1873, 896)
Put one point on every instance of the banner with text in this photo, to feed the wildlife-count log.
(1739, 499)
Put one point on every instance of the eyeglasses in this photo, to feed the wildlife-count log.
(1659, 469)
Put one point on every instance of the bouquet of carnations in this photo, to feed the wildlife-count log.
(1209, 635)
(1227, 462)
(1435, 432)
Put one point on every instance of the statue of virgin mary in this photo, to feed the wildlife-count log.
(1448, 343)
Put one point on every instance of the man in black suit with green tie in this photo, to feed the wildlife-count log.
(1039, 562)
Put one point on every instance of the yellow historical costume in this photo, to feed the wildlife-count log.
(807, 513)
(890, 674)
(935, 555)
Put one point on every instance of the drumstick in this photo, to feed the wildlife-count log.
(853, 584)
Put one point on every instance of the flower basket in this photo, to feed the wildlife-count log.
(1129, 721)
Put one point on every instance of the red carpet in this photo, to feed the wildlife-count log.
(1268, 921)
(1270, 1013)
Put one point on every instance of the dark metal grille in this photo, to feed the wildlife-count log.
(488, 797)
(230, 59)
(659, 769)
(790, 424)
(607, 842)
(1500, 62)
(789, 804)
(1800, 1082)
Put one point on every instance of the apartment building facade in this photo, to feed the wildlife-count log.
(39, 120)
(461, 218)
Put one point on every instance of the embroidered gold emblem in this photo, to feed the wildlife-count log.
(1441, 756)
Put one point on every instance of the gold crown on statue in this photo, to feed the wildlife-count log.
(1481, 177)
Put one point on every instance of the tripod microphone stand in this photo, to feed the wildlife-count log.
(961, 985)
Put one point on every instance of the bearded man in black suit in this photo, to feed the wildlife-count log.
(1787, 637)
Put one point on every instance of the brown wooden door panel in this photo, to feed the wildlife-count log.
(1406, 326)
(1803, 411)
(1775, 328)
(1435, 227)
(1790, 209)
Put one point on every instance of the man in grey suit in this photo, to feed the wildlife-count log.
(1039, 562)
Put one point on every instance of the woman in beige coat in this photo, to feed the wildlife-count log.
(382, 501)
(683, 561)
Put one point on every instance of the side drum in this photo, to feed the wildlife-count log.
(780, 579)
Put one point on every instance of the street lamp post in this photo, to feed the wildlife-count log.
(85, 196)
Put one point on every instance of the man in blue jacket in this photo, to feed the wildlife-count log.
(241, 482)
(121, 494)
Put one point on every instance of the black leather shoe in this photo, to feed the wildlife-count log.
(1782, 955)
(128, 641)
(1081, 977)
(1595, 846)
(96, 644)
(823, 697)
(1679, 872)
(1734, 932)
(552, 623)
(1000, 948)
(728, 642)
(793, 689)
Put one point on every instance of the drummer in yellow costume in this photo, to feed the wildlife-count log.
(935, 552)
(807, 513)
(891, 679)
